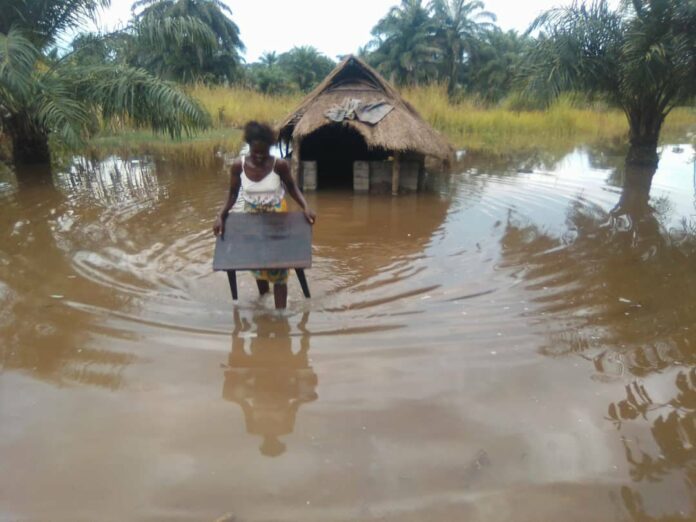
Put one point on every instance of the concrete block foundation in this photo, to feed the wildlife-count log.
(361, 176)
(381, 176)
(308, 176)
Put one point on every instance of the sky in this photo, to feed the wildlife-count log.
(335, 27)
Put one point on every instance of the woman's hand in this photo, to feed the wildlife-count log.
(219, 227)
(310, 215)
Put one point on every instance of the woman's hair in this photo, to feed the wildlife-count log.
(255, 131)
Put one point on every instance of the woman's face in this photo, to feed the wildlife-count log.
(259, 152)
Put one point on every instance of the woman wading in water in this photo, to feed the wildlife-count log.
(262, 181)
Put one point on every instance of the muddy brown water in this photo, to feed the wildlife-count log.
(518, 343)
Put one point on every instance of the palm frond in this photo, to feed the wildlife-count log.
(45, 20)
(140, 4)
(578, 49)
(144, 99)
(17, 59)
(55, 108)
(659, 54)
(163, 33)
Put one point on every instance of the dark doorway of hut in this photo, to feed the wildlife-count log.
(332, 150)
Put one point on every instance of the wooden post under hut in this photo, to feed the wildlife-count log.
(396, 171)
(295, 163)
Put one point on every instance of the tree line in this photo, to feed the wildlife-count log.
(641, 57)
(450, 41)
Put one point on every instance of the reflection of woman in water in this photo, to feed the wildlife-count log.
(270, 381)
(262, 180)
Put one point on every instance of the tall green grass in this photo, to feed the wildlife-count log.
(230, 108)
(467, 123)
(234, 106)
(204, 149)
(472, 125)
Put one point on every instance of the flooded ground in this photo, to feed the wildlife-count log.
(519, 343)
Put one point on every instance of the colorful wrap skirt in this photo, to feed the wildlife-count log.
(273, 276)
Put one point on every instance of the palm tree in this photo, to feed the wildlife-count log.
(641, 57)
(305, 66)
(186, 61)
(268, 79)
(44, 20)
(404, 46)
(460, 26)
(269, 59)
(42, 96)
(494, 67)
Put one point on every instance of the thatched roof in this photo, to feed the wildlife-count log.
(402, 130)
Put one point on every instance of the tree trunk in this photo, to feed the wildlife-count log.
(452, 84)
(29, 144)
(643, 136)
(455, 55)
(636, 188)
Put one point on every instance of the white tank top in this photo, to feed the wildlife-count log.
(268, 191)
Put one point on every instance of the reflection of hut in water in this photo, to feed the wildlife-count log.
(355, 130)
(269, 381)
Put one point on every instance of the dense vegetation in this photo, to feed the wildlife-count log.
(43, 94)
(467, 123)
(640, 59)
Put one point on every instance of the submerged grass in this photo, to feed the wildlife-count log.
(230, 108)
(205, 148)
(471, 125)
(468, 124)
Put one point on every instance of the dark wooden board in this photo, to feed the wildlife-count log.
(268, 240)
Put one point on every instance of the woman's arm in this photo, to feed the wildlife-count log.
(235, 183)
(283, 170)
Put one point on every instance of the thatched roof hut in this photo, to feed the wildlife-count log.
(336, 144)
